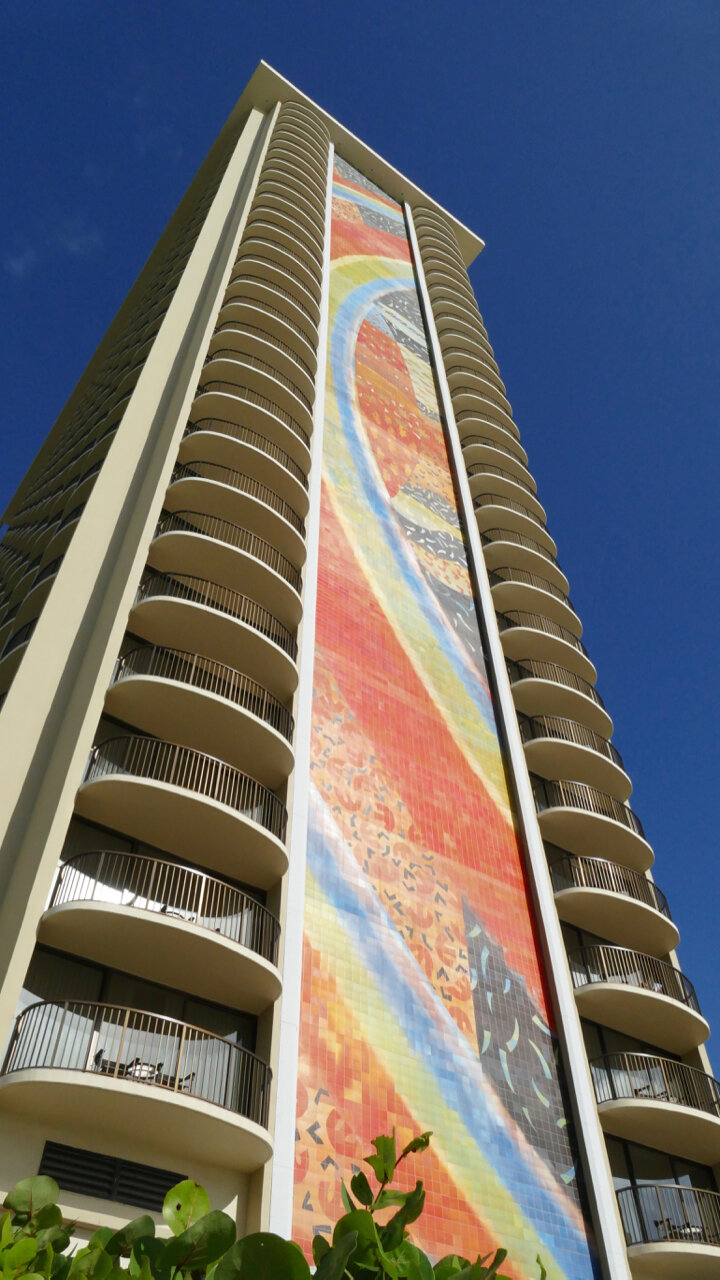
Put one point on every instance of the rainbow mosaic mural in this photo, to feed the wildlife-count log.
(424, 1004)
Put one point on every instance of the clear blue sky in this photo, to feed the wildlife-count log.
(582, 141)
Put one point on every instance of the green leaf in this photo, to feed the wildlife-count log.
(386, 1197)
(543, 1272)
(334, 1262)
(94, 1263)
(61, 1266)
(204, 1242)
(348, 1204)
(121, 1244)
(450, 1266)
(57, 1237)
(184, 1204)
(412, 1263)
(421, 1143)
(263, 1256)
(6, 1230)
(492, 1270)
(383, 1164)
(320, 1246)
(20, 1253)
(394, 1230)
(361, 1189)
(144, 1257)
(32, 1194)
(360, 1222)
(101, 1237)
(48, 1216)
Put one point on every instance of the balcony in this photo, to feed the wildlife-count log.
(225, 364)
(659, 1101)
(559, 748)
(527, 635)
(276, 320)
(672, 1232)
(175, 609)
(229, 400)
(209, 488)
(638, 994)
(264, 342)
(186, 1090)
(470, 422)
(498, 479)
(190, 803)
(186, 929)
(527, 592)
(545, 688)
(486, 449)
(504, 547)
(236, 557)
(236, 447)
(592, 893)
(492, 509)
(587, 821)
(184, 697)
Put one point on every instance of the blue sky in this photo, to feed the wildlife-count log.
(581, 141)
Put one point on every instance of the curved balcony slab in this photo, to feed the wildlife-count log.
(253, 284)
(530, 636)
(486, 478)
(260, 341)
(639, 995)
(560, 748)
(518, 590)
(672, 1232)
(162, 947)
(594, 893)
(504, 548)
(238, 559)
(184, 697)
(493, 510)
(659, 1102)
(242, 449)
(69, 1060)
(582, 819)
(280, 325)
(213, 490)
(484, 450)
(255, 374)
(204, 617)
(190, 803)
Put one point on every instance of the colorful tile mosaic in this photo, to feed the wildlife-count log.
(424, 1002)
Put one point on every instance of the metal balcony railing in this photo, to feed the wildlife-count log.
(530, 579)
(604, 963)
(245, 435)
(518, 540)
(646, 1077)
(575, 872)
(685, 1215)
(472, 415)
(207, 675)
(489, 469)
(169, 890)
(534, 669)
(258, 401)
(538, 622)
(254, 330)
(231, 535)
(563, 730)
(561, 794)
(143, 1049)
(202, 470)
(212, 595)
(266, 265)
(190, 770)
(507, 504)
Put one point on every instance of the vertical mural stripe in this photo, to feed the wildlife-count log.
(424, 1002)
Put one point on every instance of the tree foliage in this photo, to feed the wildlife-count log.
(368, 1243)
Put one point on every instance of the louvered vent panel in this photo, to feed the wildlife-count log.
(92, 1174)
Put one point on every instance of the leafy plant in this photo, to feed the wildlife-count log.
(35, 1245)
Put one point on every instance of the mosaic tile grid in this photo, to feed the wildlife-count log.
(424, 1003)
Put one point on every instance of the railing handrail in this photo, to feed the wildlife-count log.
(226, 1074)
(232, 535)
(195, 669)
(243, 483)
(213, 595)
(566, 730)
(265, 225)
(498, 445)
(603, 962)
(564, 793)
(658, 1212)
(267, 307)
(176, 891)
(248, 396)
(191, 770)
(538, 668)
(240, 273)
(573, 871)
(255, 362)
(654, 1078)
(246, 435)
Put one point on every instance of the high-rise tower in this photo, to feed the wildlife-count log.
(313, 824)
